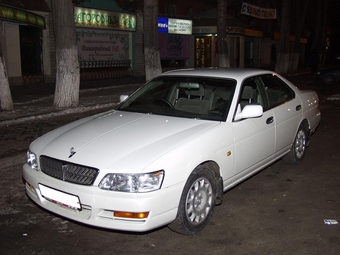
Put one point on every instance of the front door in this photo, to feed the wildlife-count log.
(254, 137)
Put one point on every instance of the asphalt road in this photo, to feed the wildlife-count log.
(281, 210)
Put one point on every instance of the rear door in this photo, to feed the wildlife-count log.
(287, 109)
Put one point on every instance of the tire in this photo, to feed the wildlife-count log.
(329, 79)
(298, 149)
(197, 203)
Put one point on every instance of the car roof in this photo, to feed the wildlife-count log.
(231, 73)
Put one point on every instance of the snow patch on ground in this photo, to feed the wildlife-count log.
(334, 97)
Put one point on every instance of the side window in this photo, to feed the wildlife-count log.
(251, 93)
(277, 90)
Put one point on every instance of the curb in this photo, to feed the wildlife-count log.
(60, 112)
(56, 114)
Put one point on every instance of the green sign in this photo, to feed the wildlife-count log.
(94, 18)
(16, 15)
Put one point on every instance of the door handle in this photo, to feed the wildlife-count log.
(298, 108)
(270, 120)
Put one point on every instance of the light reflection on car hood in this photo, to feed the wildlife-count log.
(120, 140)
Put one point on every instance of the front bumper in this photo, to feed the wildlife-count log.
(98, 206)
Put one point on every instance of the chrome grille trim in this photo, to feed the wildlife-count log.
(68, 172)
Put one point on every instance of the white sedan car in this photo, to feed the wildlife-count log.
(167, 153)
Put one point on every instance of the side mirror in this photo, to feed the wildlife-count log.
(122, 98)
(249, 111)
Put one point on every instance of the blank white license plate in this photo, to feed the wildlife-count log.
(60, 197)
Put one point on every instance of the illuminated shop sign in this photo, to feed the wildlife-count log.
(94, 18)
(204, 30)
(258, 12)
(174, 26)
(213, 30)
(16, 15)
(235, 30)
(162, 25)
(180, 26)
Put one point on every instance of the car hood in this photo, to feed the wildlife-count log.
(124, 141)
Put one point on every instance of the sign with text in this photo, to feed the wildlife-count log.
(16, 15)
(204, 30)
(102, 45)
(258, 12)
(174, 26)
(180, 26)
(213, 30)
(162, 25)
(94, 18)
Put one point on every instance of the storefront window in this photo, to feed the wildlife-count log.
(203, 51)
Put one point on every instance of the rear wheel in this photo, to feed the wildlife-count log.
(298, 149)
(197, 203)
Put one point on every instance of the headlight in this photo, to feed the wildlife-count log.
(133, 182)
(32, 160)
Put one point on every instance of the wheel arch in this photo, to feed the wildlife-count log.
(306, 124)
(216, 170)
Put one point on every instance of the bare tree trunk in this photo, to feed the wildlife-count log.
(67, 76)
(151, 44)
(316, 35)
(322, 38)
(300, 10)
(222, 34)
(6, 103)
(282, 63)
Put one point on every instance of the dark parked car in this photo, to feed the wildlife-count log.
(329, 76)
(337, 58)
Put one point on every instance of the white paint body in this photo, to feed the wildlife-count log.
(128, 142)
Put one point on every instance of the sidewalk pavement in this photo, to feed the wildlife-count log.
(32, 102)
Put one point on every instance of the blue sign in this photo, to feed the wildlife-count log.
(163, 25)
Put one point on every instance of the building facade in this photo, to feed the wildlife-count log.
(110, 37)
(105, 39)
(24, 38)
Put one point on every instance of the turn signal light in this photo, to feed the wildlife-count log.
(30, 186)
(131, 215)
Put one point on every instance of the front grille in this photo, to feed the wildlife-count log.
(67, 171)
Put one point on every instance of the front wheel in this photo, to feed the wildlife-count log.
(197, 203)
(329, 79)
(298, 149)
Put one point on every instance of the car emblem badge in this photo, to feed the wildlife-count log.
(72, 152)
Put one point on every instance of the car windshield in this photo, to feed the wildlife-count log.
(187, 97)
